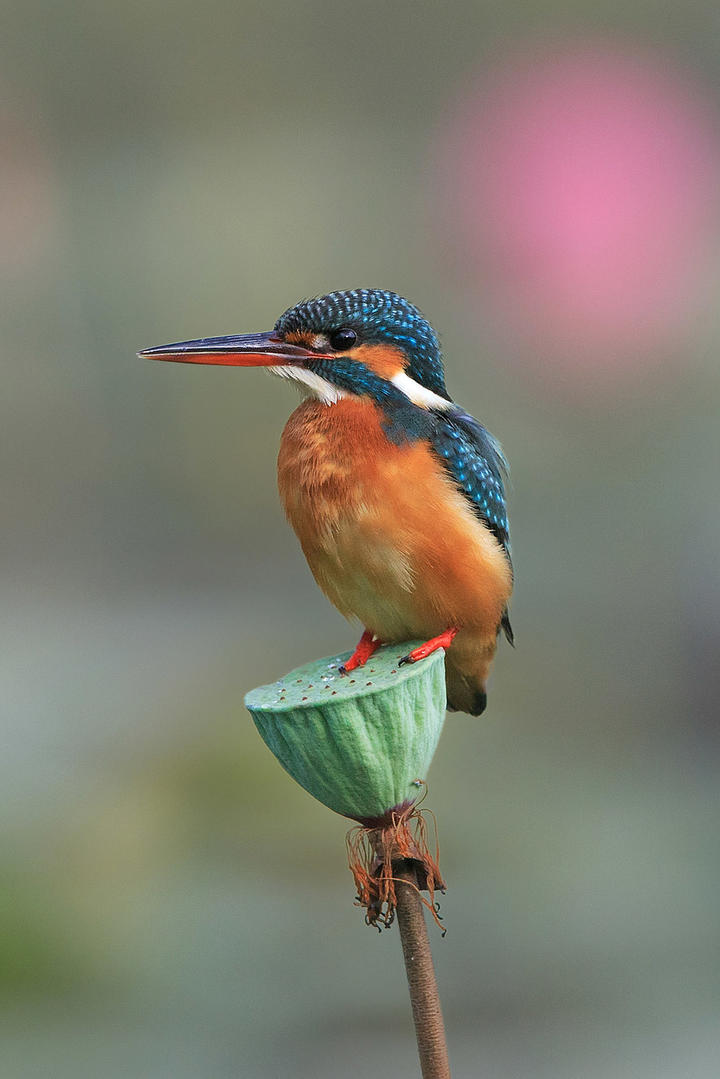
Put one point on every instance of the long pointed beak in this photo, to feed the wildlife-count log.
(247, 350)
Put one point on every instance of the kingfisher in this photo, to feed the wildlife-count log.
(397, 495)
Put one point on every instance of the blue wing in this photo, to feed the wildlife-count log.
(475, 461)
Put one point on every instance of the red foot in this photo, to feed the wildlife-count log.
(443, 641)
(367, 644)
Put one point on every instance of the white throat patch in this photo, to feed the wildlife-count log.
(310, 383)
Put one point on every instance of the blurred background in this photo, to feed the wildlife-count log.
(542, 181)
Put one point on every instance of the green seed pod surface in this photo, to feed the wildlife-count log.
(360, 743)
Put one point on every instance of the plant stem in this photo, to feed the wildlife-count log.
(427, 1013)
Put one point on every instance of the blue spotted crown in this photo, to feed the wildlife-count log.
(377, 316)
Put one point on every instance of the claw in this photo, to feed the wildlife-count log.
(367, 645)
(444, 640)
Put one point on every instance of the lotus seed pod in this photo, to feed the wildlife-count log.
(360, 743)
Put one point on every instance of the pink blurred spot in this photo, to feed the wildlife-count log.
(27, 196)
(582, 188)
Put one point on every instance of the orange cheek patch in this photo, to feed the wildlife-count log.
(384, 360)
(299, 337)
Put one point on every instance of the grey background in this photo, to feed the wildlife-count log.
(174, 905)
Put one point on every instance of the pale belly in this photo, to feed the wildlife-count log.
(367, 576)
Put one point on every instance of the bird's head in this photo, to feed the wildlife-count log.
(351, 342)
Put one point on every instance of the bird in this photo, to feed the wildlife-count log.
(396, 493)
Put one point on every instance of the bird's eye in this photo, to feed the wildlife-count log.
(343, 339)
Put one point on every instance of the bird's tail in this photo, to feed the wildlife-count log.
(465, 676)
(507, 628)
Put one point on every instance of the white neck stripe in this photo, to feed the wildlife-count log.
(419, 394)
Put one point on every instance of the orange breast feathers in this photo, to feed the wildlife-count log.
(387, 535)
